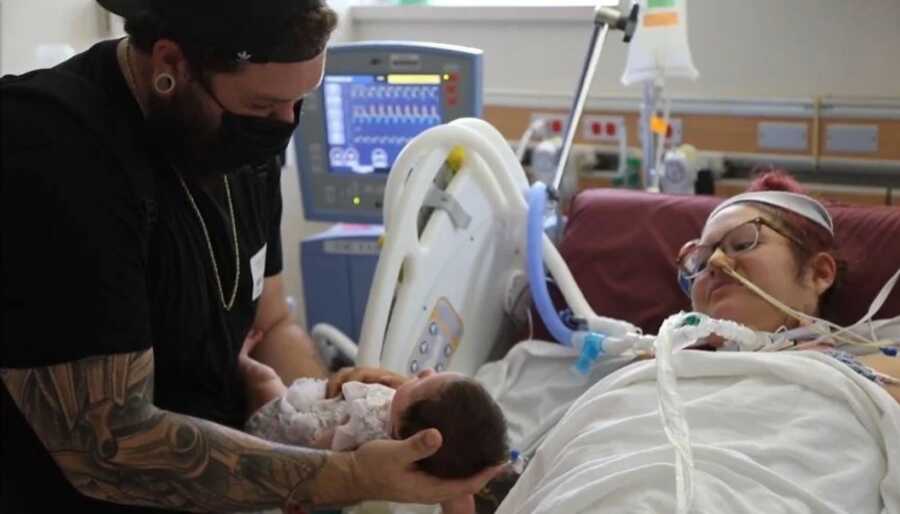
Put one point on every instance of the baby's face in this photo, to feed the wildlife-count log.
(425, 384)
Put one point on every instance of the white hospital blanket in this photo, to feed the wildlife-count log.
(771, 433)
(535, 384)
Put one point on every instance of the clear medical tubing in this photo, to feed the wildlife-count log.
(534, 236)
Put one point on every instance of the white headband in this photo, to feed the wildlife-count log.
(803, 205)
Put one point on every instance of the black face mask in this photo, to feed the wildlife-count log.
(240, 143)
(250, 141)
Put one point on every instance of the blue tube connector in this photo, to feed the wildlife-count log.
(591, 349)
(588, 344)
(517, 462)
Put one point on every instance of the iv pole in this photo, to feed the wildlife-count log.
(604, 19)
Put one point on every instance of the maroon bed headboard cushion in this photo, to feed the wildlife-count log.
(621, 247)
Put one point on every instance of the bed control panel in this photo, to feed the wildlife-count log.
(438, 341)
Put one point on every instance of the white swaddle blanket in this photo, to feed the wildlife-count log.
(303, 415)
(791, 433)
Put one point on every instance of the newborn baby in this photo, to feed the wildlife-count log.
(471, 423)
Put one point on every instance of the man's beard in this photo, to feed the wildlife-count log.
(185, 133)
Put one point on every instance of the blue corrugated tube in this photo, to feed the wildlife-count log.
(534, 237)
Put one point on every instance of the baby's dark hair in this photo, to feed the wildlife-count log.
(472, 426)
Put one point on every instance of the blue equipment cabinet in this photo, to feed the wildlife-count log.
(374, 98)
(337, 267)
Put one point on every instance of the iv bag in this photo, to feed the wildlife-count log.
(659, 47)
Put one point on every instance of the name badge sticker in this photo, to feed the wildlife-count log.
(257, 270)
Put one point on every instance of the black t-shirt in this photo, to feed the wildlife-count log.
(77, 281)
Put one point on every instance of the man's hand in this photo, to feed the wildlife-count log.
(386, 470)
(364, 375)
(462, 505)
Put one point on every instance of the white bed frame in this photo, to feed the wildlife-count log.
(439, 297)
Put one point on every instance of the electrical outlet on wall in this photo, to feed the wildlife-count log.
(602, 128)
(555, 124)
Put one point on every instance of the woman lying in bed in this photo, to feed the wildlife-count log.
(787, 250)
(787, 431)
(769, 432)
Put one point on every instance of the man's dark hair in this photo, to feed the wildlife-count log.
(305, 29)
(472, 426)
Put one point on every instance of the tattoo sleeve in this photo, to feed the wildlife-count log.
(97, 419)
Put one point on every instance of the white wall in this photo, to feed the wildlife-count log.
(26, 24)
(743, 49)
(29, 23)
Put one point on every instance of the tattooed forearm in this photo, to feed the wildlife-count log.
(96, 418)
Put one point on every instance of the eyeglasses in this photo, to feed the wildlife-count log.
(694, 257)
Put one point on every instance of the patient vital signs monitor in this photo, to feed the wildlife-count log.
(374, 98)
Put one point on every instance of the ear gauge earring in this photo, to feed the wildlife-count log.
(164, 83)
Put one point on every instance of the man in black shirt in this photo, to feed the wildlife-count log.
(139, 248)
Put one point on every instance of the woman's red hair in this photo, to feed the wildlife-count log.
(776, 180)
(814, 237)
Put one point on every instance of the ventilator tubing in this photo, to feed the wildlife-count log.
(589, 345)
(537, 201)
(823, 327)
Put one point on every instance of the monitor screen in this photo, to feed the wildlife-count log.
(370, 118)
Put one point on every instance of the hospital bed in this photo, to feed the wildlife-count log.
(620, 246)
(457, 266)
(452, 274)
(448, 281)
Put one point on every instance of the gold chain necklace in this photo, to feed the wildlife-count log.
(129, 76)
(212, 255)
